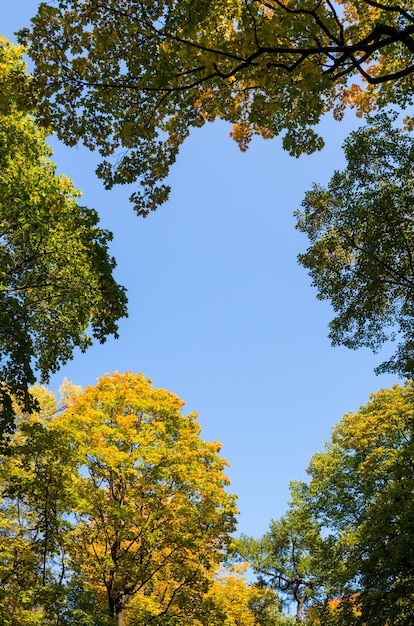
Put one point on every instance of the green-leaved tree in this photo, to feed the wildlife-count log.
(286, 558)
(361, 232)
(57, 289)
(361, 492)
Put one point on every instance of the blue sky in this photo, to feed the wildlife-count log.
(220, 312)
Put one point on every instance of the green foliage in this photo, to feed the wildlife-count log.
(131, 79)
(35, 487)
(285, 557)
(361, 229)
(56, 277)
(344, 550)
(361, 491)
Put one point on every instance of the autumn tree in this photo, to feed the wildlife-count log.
(56, 275)
(153, 517)
(361, 232)
(113, 510)
(361, 490)
(131, 79)
(231, 601)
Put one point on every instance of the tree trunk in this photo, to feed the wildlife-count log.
(300, 601)
(120, 618)
(119, 606)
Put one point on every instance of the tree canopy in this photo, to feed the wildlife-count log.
(286, 557)
(153, 493)
(241, 604)
(56, 274)
(361, 231)
(361, 490)
(132, 78)
(114, 511)
(344, 549)
(36, 477)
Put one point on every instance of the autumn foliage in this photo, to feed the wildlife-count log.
(131, 79)
(120, 504)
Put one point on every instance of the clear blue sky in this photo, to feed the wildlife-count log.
(220, 312)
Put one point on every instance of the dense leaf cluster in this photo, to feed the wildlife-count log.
(348, 535)
(56, 274)
(361, 230)
(113, 511)
(131, 79)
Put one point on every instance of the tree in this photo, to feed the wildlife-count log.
(132, 78)
(56, 274)
(361, 490)
(113, 511)
(152, 517)
(238, 604)
(361, 230)
(35, 502)
(285, 558)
